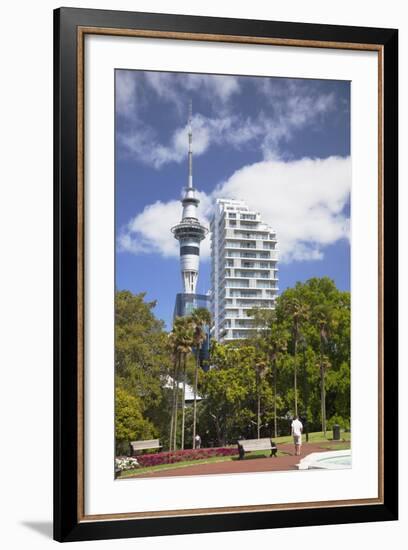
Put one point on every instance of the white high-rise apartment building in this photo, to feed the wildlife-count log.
(244, 268)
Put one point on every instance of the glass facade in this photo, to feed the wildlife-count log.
(185, 305)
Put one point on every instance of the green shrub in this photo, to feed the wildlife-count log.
(344, 423)
(129, 422)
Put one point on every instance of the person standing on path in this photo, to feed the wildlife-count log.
(297, 428)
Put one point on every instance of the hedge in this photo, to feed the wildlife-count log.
(181, 456)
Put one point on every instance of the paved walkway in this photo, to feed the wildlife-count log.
(280, 463)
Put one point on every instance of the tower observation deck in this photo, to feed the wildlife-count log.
(189, 231)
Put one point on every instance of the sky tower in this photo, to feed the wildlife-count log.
(189, 232)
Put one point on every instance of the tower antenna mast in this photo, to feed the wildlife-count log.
(190, 144)
(189, 231)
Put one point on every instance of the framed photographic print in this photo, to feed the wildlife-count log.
(225, 274)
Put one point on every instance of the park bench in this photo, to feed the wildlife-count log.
(264, 444)
(136, 446)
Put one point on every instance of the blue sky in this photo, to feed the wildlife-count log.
(282, 145)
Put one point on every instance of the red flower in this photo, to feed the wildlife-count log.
(184, 455)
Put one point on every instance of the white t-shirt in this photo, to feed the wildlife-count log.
(297, 427)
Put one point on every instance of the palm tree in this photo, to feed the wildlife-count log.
(184, 335)
(277, 345)
(178, 349)
(275, 336)
(176, 364)
(261, 368)
(299, 312)
(201, 318)
(324, 364)
(324, 320)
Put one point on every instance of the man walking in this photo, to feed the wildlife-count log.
(297, 428)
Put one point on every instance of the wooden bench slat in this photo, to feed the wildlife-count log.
(256, 445)
(147, 444)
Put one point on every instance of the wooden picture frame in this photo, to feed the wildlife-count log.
(70, 27)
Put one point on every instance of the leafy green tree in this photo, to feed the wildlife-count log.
(201, 318)
(325, 336)
(277, 346)
(233, 388)
(296, 309)
(261, 369)
(142, 358)
(141, 352)
(312, 321)
(184, 340)
(226, 388)
(129, 422)
(251, 385)
(275, 337)
(173, 349)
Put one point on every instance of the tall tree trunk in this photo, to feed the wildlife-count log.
(295, 375)
(176, 409)
(306, 396)
(195, 397)
(173, 404)
(275, 385)
(323, 398)
(218, 431)
(259, 415)
(172, 414)
(322, 385)
(183, 415)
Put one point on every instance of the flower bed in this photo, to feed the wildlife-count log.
(126, 463)
(182, 456)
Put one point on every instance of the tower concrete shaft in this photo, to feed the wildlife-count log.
(189, 232)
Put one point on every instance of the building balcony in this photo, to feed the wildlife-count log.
(232, 246)
(232, 235)
(254, 266)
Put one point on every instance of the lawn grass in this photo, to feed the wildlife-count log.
(148, 469)
(160, 467)
(336, 446)
(314, 437)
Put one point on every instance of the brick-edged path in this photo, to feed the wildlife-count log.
(280, 463)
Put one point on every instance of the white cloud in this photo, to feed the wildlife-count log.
(172, 87)
(288, 106)
(268, 133)
(142, 144)
(215, 87)
(125, 93)
(164, 85)
(149, 232)
(294, 105)
(303, 201)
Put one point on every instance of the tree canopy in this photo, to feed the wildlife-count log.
(304, 339)
(142, 362)
(295, 360)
